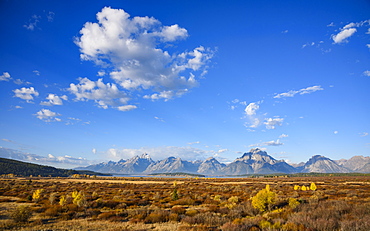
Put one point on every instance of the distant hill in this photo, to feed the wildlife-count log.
(20, 168)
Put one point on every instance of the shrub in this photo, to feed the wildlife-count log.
(53, 198)
(36, 196)
(178, 210)
(53, 211)
(185, 201)
(174, 217)
(63, 200)
(157, 217)
(264, 199)
(191, 212)
(293, 203)
(21, 214)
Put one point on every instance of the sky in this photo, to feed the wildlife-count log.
(83, 82)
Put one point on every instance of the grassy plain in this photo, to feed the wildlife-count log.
(155, 203)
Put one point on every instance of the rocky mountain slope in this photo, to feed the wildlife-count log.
(322, 164)
(356, 163)
(135, 165)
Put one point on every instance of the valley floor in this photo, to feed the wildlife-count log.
(287, 203)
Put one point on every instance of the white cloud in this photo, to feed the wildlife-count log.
(343, 35)
(101, 73)
(335, 132)
(251, 109)
(310, 90)
(104, 95)
(93, 150)
(160, 153)
(349, 30)
(363, 134)
(302, 91)
(331, 24)
(26, 93)
(53, 160)
(134, 48)
(32, 23)
(222, 150)
(283, 136)
(366, 73)
(20, 82)
(126, 107)
(50, 16)
(173, 33)
(47, 115)
(271, 123)
(5, 76)
(54, 100)
(159, 119)
(36, 72)
(268, 143)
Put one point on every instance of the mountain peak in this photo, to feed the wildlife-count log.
(145, 156)
(323, 164)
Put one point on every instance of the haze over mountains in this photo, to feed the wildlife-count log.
(255, 161)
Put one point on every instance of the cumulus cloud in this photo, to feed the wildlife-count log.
(343, 35)
(348, 31)
(366, 73)
(272, 123)
(133, 49)
(5, 76)
(251, 109)
(172, 33)
(26, 93)
(302, 91)
(54, 100)
(47, 115)
(104, 95)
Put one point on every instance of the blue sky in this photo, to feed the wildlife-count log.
(83, 82)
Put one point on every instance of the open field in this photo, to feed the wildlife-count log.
(137, 203)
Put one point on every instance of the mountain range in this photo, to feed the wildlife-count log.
(256, 161)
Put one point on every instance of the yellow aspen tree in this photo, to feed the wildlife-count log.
(313, 186)
(264, 199)
(78, 198)
(63, 200)
(296, 187)
(303, 188)
(293, 203)
(37, 195)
